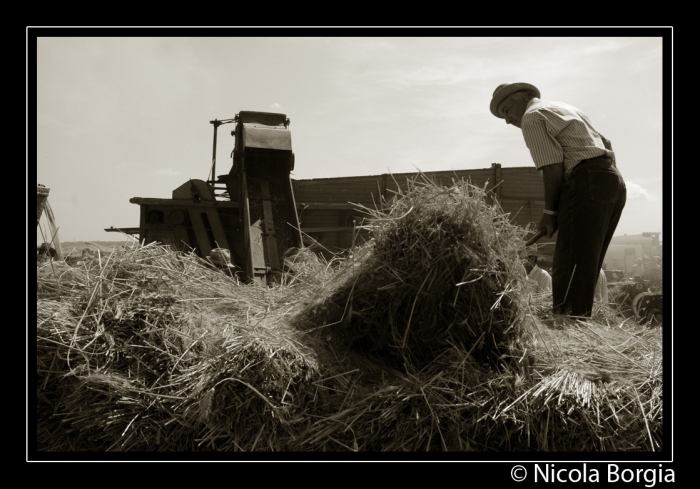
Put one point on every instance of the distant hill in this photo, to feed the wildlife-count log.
(632, 239)
(69, 246)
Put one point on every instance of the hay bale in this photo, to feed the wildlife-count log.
(443, 268)
(128, 359)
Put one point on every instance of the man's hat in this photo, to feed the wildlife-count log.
(221, 257)
(505, 89)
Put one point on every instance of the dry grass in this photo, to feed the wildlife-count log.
(442, 269)
(146, 349)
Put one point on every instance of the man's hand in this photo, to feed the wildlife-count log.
(549, 223)
(553, 176)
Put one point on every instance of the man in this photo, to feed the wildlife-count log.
(539, 281)
(221, 258)
(584, 192)
(653, 273)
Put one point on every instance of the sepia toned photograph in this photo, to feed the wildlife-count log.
(373, 242)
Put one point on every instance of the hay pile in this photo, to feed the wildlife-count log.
(444, 269)
(143, 349)
(146, 349)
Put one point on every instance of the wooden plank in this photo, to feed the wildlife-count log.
(524, 183)
(256, 254)
(521, 192)
(370, 187)
(330, 229)
(319, 181)
(181, 240)
(293, 214)
(514, 181)
(218, 230)
(200, 233)
(143, 233)
(320, 221)
(270, 235)
(123, 230)
(520, 170)
(182, 202)
(498, 180)
(325, 206)
(448, 174)
(521, 200)
(523, 188)
(340, 196)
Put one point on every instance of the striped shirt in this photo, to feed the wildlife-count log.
(555, 132)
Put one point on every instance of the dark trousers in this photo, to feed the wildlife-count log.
(591, 202)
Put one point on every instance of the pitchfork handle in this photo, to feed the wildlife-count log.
(537, 236)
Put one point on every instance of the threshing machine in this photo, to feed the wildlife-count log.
(646, 305)
(250, 210)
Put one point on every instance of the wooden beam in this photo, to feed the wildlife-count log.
(331, 229)
(200, 233)
(521, 200)
(183, 202)
(256, 254)
(122, 230)
(499, 179)
(325, 206)
(217, 229)
(270, 235)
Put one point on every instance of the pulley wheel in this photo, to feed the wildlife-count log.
(177, 218)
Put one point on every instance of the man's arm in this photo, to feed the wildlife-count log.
(548, 156)
(553, 176)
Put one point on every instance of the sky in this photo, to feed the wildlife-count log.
(123, 117)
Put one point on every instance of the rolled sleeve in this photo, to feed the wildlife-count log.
(544, 148)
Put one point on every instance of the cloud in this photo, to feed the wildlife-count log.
(275, 106)
(168, 172)
(635, 191)
(587, 47)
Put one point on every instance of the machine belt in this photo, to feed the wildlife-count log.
(270, 234)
